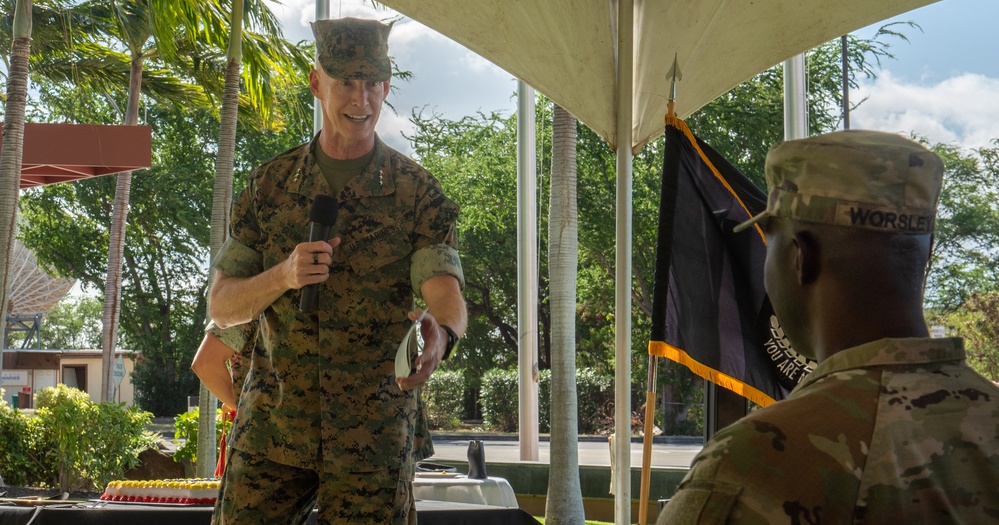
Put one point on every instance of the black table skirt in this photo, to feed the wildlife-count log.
(428, 513)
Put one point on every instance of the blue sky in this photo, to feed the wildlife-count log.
(943, 85)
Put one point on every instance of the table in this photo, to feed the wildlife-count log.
(428, 513)
(459, 488)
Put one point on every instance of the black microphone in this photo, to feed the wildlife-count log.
(323, 216)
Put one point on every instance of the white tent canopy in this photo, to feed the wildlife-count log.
(565, 48)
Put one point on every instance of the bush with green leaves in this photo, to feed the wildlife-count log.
(444, 399)
(186, 434)
(123, 436)
(500, 406)
(593, 392)
(15, 452)
(64, 414)
(71, 442)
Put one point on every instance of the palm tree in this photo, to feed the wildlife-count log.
(13, 142)
(159, 29)
(565, 501)
(134, 23)
(221, 200)
(267, 56)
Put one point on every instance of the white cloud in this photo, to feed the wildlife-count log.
(296, 15)
(391, 127)
(962, 110)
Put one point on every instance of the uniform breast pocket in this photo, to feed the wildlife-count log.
(377, 249)
(279, 241)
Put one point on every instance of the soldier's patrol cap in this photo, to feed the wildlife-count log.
(353, 48)
(860, 179)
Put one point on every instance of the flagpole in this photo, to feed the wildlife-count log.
(650, 395)
(650, 414)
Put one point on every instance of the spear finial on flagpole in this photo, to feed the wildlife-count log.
(674, 74)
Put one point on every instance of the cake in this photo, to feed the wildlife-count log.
(197, 491)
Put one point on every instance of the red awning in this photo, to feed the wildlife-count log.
(65, 152)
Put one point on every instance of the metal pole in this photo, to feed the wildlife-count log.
(622, 302)
(795, 108)
(527, 272)
(322, 13)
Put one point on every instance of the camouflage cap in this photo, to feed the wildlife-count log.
(353, 48)
(861, 179)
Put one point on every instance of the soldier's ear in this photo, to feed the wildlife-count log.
(807, 264)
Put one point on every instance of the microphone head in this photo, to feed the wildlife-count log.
(324, 210)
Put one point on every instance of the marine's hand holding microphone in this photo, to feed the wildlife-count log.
(322, 216)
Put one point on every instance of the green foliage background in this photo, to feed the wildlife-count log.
(70, 442)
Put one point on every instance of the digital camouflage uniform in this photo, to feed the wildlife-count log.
(240, 339)
(897, 431)
(320, 391)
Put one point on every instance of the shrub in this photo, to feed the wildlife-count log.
(500, 405)
(123, 436)
(186, 429)
(443, 397)
(15, 453)
(71, 442)
(593, 392)
(64, 415)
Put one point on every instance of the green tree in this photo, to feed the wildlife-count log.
(156, 29)
(744, 123)
(977, 321)
(965, 258)
(474, 160)
(13, 142)
(164, 286)
(73, 324)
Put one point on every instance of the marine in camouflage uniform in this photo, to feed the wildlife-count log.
(897, 429)
(321, 415)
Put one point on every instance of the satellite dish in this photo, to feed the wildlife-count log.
(32, 289)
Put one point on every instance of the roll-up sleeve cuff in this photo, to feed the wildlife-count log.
(235, 259)
(434, 260)
(235, 337)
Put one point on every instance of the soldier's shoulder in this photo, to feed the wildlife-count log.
(404, 165)
(280, 166)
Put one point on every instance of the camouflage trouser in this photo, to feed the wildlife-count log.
(258, 491)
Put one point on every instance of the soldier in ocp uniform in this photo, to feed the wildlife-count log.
(322, 415)
(892, 426)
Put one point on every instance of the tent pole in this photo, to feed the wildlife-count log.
(527, 272)
(795, 108)
(622, 302)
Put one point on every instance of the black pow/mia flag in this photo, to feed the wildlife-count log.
(710, 311)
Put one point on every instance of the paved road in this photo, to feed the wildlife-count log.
(594, 453)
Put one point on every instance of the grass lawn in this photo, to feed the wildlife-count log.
(162, 425)
(588, 522)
